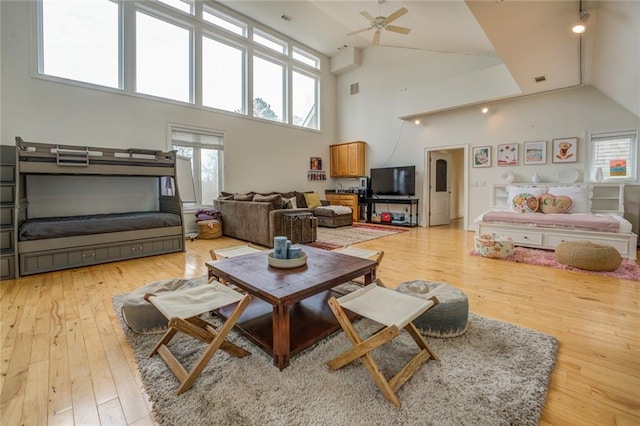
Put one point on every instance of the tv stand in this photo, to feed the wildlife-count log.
(371, 205)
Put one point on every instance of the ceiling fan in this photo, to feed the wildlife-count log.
(380, 23)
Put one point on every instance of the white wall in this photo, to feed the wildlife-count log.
(616, 52)
(565, 113)
(258, 156)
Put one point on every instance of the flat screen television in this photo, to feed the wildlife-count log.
(394, 180)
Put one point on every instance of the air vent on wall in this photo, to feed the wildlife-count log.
(540, 78)
(354, 89)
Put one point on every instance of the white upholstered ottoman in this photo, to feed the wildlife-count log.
(447, 319)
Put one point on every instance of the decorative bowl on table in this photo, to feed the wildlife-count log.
(494, 246)
(287, 263)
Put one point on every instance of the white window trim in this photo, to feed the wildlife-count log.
(197, 26)
(588, 165)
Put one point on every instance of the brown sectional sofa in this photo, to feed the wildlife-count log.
(260, 221)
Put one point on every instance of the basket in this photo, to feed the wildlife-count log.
(209, 229)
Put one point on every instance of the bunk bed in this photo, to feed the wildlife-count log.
(48, 243)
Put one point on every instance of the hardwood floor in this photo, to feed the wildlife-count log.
(65, 360)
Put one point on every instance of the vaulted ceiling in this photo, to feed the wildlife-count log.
(520, 33)
(533, 39)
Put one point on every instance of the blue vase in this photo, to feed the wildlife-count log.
(280, 247)
(294, 252)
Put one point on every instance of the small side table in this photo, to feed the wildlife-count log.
(294, 224)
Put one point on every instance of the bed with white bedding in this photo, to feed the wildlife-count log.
(583, 217)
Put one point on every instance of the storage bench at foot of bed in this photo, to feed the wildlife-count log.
(54, 259)
(546, 238)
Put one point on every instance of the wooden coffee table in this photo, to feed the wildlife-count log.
(289, 311)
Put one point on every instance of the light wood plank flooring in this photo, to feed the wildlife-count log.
(65, 360)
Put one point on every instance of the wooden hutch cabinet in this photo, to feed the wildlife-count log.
(348, 159)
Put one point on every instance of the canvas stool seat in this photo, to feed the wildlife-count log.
(183, 309)
(141, 316)
(395, 311)
(449, 318)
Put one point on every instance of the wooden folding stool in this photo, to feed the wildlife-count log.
(395, 311)
(183, 309)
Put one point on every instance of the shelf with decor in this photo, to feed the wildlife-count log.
(387, 218)
(605, 198)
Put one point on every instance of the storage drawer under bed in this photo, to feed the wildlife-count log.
(54, 260)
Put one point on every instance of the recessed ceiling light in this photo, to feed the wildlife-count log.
(416, 121)
(485, 110)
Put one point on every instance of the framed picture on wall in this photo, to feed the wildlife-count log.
(508, 154)
(565, 150)
(535, 152)
(481, 156)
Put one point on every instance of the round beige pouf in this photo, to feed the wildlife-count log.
(588, 255)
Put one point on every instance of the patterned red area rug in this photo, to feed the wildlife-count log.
(628, 270)
(333, 238)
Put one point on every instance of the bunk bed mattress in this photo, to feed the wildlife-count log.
(58, 227)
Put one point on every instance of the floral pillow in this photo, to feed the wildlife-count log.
(550, 203)
(515, 191)
(525, 203)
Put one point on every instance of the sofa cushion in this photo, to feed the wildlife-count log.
(275, 199)
(312, 200)
(300, 201)
(243, 197)
(289, 194)
(290, 203)
(332, 211)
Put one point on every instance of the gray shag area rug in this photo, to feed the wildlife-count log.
(495, 374)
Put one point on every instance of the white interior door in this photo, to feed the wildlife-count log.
(439, 188)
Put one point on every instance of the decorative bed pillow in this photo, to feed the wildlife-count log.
(525, 203)
(275, 199)
(513, 191)
(312, 200)
(580, 197)
(550, 203)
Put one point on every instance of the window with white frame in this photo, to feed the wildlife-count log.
(268, 89)
(80, 41)
(224, 21)
(204, 148)
(183, 5)
(222, 75)
(163, 58)
(615, 153)
(304, 100)
(184, 50)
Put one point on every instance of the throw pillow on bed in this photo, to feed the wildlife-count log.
(525, 203)
(550, 203)
(580, 197)
(514, 191)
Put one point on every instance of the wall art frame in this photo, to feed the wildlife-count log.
(481, 156)
(507, 154)
(565, 150)
(535, 152)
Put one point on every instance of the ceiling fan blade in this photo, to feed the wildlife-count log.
(376, 38)
(367, 15)
(396, 29)
(359, 31)
(395, 15)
